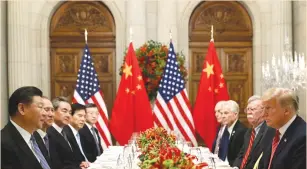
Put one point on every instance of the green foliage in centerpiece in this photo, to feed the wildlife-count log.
(152, 57)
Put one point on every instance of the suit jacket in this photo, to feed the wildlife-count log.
(15, 152)
(42, 147)
(223, 148)
(262, 141)
(89, 144)
(74, 145)
(291, 150)
(62, 156)
(235, 142)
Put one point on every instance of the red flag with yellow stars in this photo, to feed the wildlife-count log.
(212, 89)
(132, 110)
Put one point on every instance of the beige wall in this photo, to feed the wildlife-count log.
(299, 43)
(3, 63)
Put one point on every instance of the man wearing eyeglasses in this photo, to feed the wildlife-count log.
(254, 140)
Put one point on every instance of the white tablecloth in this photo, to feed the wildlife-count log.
(114, 158)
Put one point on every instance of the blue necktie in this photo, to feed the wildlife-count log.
(39, 154)
(224, 145)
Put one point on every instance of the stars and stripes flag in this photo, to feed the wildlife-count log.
(172, 109)
(88, 91)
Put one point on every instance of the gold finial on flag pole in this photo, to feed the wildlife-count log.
(85, 35)
(212, 34)
(131, 34)
(170, 34)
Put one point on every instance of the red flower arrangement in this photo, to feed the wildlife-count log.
(160, 152)
(152, 57)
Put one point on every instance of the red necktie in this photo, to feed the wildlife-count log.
(274, 146)
(250, 145)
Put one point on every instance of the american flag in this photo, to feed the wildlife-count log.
(88, 91)
(172, 109)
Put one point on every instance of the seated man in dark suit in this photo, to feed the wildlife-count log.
(76, 123)
(254, 140)
(288, 148)
(220, 144)
(19, 149)
(235, 129)
(40, 135)
(90, 138)
(61, 152)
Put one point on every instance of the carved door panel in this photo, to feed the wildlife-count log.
(233, 43)
(65, 63)
(67, 44)
(236, 65)
(237, 68)
(197, 57)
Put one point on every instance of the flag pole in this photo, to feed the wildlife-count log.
(85, 35)
(131, 34)
(212, 40)
(170, 35)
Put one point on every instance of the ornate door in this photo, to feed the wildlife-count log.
(233, 42)
(67, 43)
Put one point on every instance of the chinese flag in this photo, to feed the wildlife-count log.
(212, 89)
(132, 110)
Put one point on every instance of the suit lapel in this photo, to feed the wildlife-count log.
(71, 138)
(58, 137)
(233, 133)
(286, 137)
(99, 141)
(89, 134)
(259, 136)
(20, 142)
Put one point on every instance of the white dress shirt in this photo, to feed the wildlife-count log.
(57, 128)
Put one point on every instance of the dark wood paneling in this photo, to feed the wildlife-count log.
(233, 42)
(67, 43)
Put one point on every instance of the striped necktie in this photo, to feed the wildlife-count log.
(39, 154)
(274, 146)
(218, 140)
(250, 145)
(96, 140)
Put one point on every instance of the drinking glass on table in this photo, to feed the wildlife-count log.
(120, 163)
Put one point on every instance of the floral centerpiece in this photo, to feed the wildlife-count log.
(160, 152)
(152, 57)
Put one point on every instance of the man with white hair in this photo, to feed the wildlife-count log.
(235, 129)
(220, 144)
(288, 147)
(255, 140)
